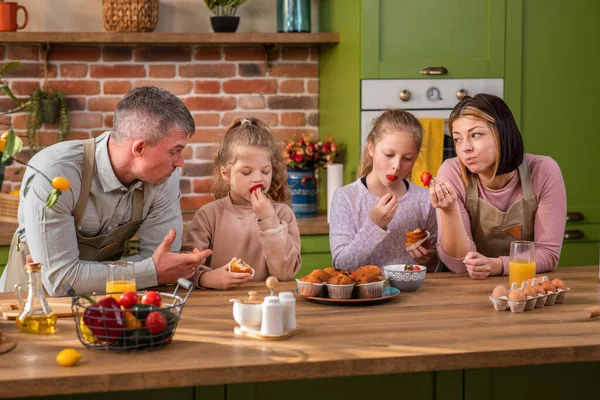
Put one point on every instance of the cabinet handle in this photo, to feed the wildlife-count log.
(405, 95)
(461, 94)
(434, 71)
(573, 234)
(575, 216)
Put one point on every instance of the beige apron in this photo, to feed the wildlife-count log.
(492, 229)
(111, 246)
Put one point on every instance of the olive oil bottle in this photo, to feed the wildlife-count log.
(36, 317)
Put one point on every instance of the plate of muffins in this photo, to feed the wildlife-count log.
(365, 285)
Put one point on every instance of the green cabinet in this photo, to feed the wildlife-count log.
(315, 253)
(401, 37)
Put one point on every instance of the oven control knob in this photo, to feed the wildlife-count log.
(461, 94)
(434, 94)
(405, 95)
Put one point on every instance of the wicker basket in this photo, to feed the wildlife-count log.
(9, 207)
(130, 15)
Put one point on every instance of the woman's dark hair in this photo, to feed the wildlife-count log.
(498, 117)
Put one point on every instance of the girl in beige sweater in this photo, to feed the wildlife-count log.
(257, 226)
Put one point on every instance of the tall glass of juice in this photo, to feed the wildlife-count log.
(521, 264)
(120, 278)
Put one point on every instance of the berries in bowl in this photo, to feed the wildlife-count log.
(405, 277)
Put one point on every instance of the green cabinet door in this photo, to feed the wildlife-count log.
(401, 37)
(560, 100)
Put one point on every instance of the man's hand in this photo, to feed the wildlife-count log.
(172, 266)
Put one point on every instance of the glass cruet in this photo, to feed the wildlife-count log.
(36, 317)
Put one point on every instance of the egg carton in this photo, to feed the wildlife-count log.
(549, 298)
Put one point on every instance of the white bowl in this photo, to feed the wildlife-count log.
(405, 280)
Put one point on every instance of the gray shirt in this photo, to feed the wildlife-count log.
(50, 233)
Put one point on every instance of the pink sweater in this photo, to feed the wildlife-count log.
(550, 218)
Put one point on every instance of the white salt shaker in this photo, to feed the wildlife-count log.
(288, 303)
(272, 316)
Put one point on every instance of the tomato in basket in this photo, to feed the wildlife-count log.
(152, 298)
(128, 299)
(156, 322)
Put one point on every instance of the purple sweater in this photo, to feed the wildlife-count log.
(550, 218)
(355, 240)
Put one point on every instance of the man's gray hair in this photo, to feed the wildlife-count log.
(150, 113)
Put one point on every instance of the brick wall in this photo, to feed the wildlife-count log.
(217, 84)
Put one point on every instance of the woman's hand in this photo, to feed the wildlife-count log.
(384, 211)
(480, 266)
(262, 206)
(223, 279)
(442, 195)
(423, 254)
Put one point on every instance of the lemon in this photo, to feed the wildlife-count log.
(2, 144)
(60, 183)
(86, 333)
(68, 357)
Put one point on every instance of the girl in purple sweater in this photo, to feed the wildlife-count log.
(493, 193)
(370, 217)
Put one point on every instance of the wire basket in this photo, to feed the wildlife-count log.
(130, 15)
(125, 330)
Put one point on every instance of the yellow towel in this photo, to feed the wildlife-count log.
(432, 149)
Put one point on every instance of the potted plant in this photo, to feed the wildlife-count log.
(46, 106)
(225, 19)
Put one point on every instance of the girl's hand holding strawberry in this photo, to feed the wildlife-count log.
(261, 205)
(384, 211)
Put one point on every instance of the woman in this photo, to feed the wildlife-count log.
(493, 193)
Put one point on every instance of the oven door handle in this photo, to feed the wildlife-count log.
(441, 70)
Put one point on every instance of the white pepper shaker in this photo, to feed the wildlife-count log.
(272, 316)
(288, 303)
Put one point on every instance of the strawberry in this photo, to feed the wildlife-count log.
(391, 177)
(426, 178)
(255, 187)
(416, 268)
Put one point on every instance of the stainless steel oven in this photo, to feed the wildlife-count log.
(425, 98)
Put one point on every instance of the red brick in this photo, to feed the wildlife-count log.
(117, 71)
(162, 71)
(197, 169)
(205, 152)
(185, 186)
(6, 187)
(293, 102)
(252, 70)
(48, 138)
(293, 119)
(250, 86)
(291, 86)
(8, 104)
(116, 87)
(207, 135)
(312, 86)
(24, 88)
(163, 53)
(314, 54)
(77, 87)
(194, 202)
(206, 119)
(22, 53)
(73, 70)
(1, 52)
(173, 86)
(269, 118)
(207, 70)
(14, 174)
(291, 133)
(117, 53)
(295, 53)
(30, 70)
(313, 119)
(98, 132)
(210, 103)
(245, 54)
(252, 102)
(202, 185)
(207, 87)
(188, 153)
(76, 103)
(108, 120)
(103, 103)
(74, 53)
(79, 135)
(295, 70)
(85, 120)
(207, 53)
(18, 121)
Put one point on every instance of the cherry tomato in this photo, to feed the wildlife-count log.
(128, 299)
(426, 178)
(255, 187)
(152, 298)
(156, 322)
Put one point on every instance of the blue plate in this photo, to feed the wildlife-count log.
(389, 293)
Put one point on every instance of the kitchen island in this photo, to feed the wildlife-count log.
(444, 341)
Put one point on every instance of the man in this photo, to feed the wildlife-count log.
(123, 182)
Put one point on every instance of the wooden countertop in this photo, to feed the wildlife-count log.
(448, 324)
(307, 226)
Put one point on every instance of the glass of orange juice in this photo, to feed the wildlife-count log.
(120, 278)
(521, 264)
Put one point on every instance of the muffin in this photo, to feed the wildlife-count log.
(369, 270)
(321, 274)
(237, 265)
(311, 279)
(331, 271)
(369, 287)
(310, 285)
(340, 287)
(415, 236)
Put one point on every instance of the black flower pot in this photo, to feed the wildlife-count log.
(49, 110)
(224, 24)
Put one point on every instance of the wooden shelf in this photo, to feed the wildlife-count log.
(297, 39)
